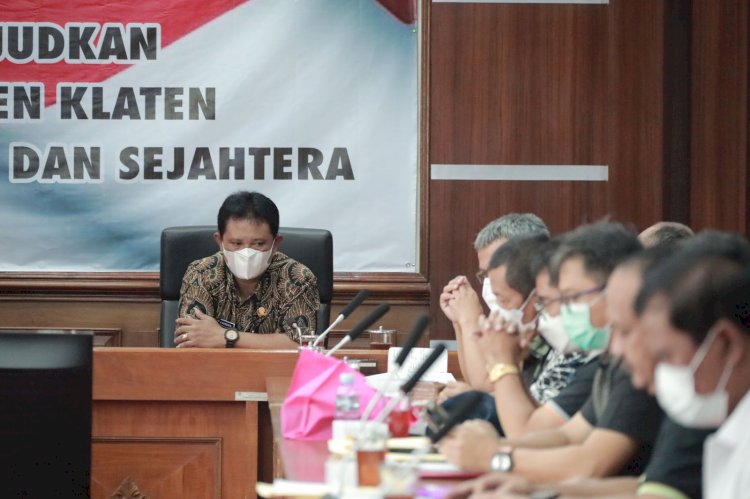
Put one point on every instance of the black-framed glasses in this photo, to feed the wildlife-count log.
(567, 300)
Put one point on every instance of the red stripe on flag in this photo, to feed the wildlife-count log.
(177, 18)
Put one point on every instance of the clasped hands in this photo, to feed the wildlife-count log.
(203, 331)
(497, 338)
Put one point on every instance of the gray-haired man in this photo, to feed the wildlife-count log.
(458, 295)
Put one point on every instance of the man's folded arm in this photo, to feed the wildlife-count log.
(603, 453)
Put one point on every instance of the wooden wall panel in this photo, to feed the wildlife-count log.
(543, 84)
(518, 84)
(719, 162)
(138, 320)
(635, 107)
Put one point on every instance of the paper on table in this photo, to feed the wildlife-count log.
(291, 488)
(377, 381)
(436, 469)
(409, 443)
(344, 446)
(312, 490)
(415, 359)
(432, 457)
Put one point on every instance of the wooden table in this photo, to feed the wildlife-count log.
(304, 460)
(190, 423)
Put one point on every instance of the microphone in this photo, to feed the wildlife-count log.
(356, 302)
(411, 382)
(471, 400)
(376, 314)
(407, 387)
(411, 341)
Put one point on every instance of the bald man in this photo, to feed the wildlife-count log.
(664, 233)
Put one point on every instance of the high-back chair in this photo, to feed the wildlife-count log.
(182, 245)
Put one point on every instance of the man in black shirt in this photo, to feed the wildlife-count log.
(674, 469)
(604, 440)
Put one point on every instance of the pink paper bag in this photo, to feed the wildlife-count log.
(309, 406)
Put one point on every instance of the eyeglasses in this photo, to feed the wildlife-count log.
(541, 303)
(481, 276)
(568, 299)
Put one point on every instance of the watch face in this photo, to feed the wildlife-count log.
(501, 462)
(231, 335)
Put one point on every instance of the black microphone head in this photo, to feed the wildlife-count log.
(376, 314)
(356, 302)
(413, 338)
(456, 416)
(411, 382)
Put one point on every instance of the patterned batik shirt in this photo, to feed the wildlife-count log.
(557, 372)
(287, 293)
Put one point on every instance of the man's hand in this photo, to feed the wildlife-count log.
(515, 486)
(471, 445)
(485, 484)
(452, 389)
(446, 297)
(499, 341)
(465, 306)
(201, 332)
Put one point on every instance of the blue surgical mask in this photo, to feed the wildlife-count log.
(576, 320)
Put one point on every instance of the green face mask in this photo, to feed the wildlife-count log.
(576, 320)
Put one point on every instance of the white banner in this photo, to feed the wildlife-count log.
(120, 119)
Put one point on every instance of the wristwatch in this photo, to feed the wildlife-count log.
(231, 336)
(502, 460)
(497, 371)
(544, 494)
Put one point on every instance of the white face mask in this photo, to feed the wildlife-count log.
(515, 315)
(675, 392)
(247, 263)
(488, 295)
(553, 332)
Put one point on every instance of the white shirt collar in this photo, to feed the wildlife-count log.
(734, 429)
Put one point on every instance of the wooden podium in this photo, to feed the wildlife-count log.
(185, 423)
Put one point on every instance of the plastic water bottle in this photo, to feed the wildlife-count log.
(347, 398)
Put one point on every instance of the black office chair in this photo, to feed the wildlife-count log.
(182, 245)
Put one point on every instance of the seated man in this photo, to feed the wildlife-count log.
(702, 376)
(489, 239)
(615, 430)
(674, 470)
(665, 233)
(520, 281)
(249, 294)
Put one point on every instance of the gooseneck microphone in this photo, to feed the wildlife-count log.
(356, 302)
(411, 341)
(407, 387)
(357, 330)
(458, 415)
